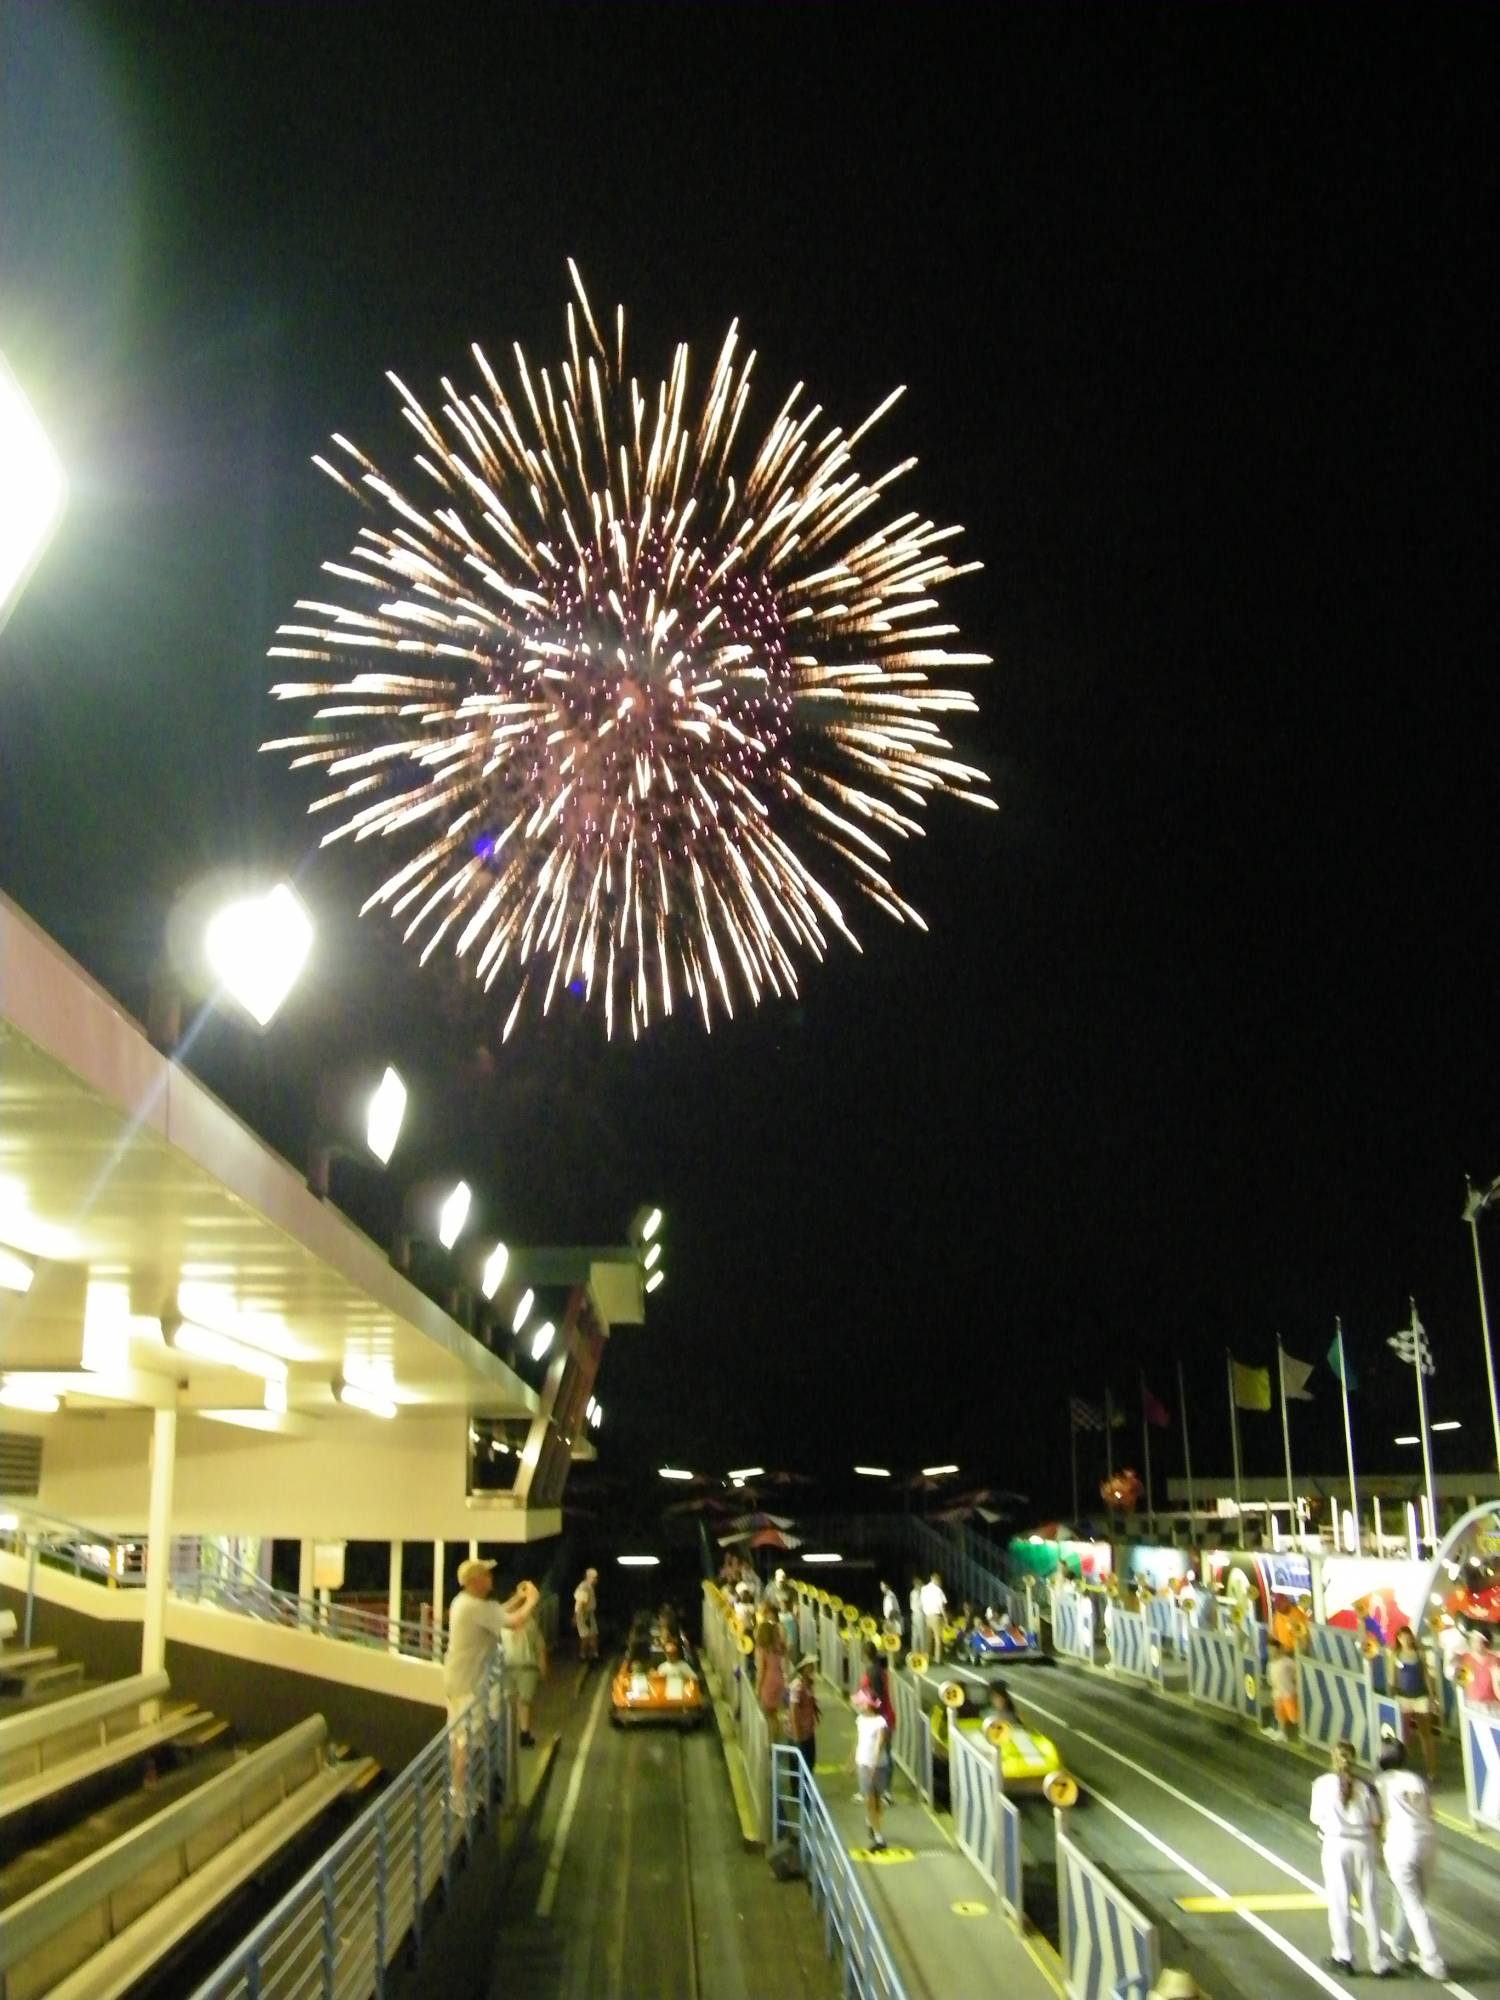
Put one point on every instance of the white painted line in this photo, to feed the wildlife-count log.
(1285, 1946)
(1225, 1825)
(547, 1895)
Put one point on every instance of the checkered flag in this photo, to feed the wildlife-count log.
(1085, 1416)
(1412, 1345)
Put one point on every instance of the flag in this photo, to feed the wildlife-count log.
(1294, 1376)
(1339, 1364)
(1086, 1416)
(1153, 1411)
(1252, 1387)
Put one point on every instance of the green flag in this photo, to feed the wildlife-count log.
(1339, 1365)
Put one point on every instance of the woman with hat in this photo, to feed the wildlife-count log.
(803, 1712)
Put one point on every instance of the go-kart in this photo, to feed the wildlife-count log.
(987, 1645)
(656, 1697)
(1029, 1761)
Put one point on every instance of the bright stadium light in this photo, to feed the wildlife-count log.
(638, 1562)
(494, 1270)
(652, 1257)
(873, 1471)
(598, 1415)
(16, 1272)
(523, 1310)
(1408, 1440)
(937, 1471)
(257, 948)
(656, 1281)
(204, 1343)
(1451, 1424)
(541, 1340)
(672, 1472)
(383, 1119)
(373, 1402)
(453, 1214)
(17, 1394)
(32, 489)
(650, 1226)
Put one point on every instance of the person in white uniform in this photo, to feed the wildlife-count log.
(934, 1611)
(1410, 1852)
(1346, 1812)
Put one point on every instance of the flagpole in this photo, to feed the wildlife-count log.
(1286, 1442)
(1348, 1433)
(1073, 1454)
(1146, 1454)
(1187, 1449)
(1109, 1434)
(1417, 1332)
(1234, 1439)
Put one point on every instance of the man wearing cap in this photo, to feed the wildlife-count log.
(475, 1622)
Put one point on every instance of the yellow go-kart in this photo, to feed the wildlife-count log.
(1029, 1761)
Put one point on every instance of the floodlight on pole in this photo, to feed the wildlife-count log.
(652, 1257)
(453, 1214)
(873, 1471)
(257, 947)
(938, 1471)
(541, 1340)
(650, 1226)
(523, 1310)
(656, 1281)
(1478, 1201)
(672, 1472)
(494, 1270)
(387, 1108)
(598, 1415)
(33, 490)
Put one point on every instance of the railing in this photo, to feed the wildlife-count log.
(798, 1811)
(332, 1936)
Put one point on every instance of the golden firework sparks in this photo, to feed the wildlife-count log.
(619, 688)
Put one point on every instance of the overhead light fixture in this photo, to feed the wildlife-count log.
(541, 1340)
(1409, 1440)
(873, 1471)
(383, 1118)
(32, 489)
(654, 1282)
(653, 1257)
(523, 1310)
(453, 1214)
(638, 1562)
(821, 1556)
(17, 1394)
(672, 1472)
(1449, 1424)
(257, 948)
(275, 1421)
(494, 1270)
(937, 1471)
(650, 1226)
(748, 1472)
(373, 1402)
(204, 1344)
(598, 1415)
(16, 1273)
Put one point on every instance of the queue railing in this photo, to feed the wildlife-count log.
(850, 1930)
(337, 1930)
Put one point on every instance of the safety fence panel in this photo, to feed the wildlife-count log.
(1216, 1667)
(850, 1930)
(986, 1822)
(807, 1627)
(854, 1658)
(1481, 1740)
(913, 1746)
(1105, 1939)
(1335, 1646)
(1073, 1626)
(1134, 1649)
(755, 1747)
(1333, 1705)
(1168, 1621)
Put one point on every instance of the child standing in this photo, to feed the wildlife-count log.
(871, 1736)
(1281, 1674)
(803, 1712)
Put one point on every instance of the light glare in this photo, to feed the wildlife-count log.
(494, 1270)
(383, 1120)
(873, 1471)
(1450, 1424)
(257, 947)
(453, 1216)
(203, 1343)
(937, 1471)
(541, 1340)
(523, 1310)
(655, 1281)
(672, 1472)
(638, 1562)
(650, 1226)
(18, 1395)
(371, 1401)
(32, 489)
(823, 1556)
(653, 1257)
(15, 1273)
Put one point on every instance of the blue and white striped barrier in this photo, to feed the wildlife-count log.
(1166, 1621)
(1335, 1705)
(1073, 1626)
(974, 1794)
(1218, 1666)
(912, 1748)
(830, 1649)
(1134, 1648)
(854, 1658)
(1336, 1646)
(807, 1627)
(1481, 1739)
(1105, 1939)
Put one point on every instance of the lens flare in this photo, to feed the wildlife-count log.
(620, 691)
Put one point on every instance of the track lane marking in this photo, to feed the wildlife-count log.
(1226, 1826)
(547, 1894)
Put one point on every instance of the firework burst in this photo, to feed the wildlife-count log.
(618, 690)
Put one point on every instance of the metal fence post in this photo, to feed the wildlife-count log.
(330, 1936)
(380, 1902)
(418, 1814)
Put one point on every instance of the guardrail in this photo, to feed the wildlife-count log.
(1134, 1647)
(912, 1748)
(1106, 1942)
(1480, 1728)
(798, 1812)
(333, 1934)
(985, 1821)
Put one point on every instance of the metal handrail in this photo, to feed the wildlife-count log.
(798, 1809)
(335, 1932)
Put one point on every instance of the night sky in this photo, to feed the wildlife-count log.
(1190, 307)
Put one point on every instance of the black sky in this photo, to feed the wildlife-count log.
(1190, 303)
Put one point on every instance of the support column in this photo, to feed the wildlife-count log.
(305, 1570)
(473, 1551)
(393, 1598)
(438, 1549)
(159, 1540)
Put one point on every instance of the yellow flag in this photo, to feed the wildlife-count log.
(1252, 1387)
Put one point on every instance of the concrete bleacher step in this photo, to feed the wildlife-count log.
(104, 1924)
(18, 1661)
(58, 1674)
